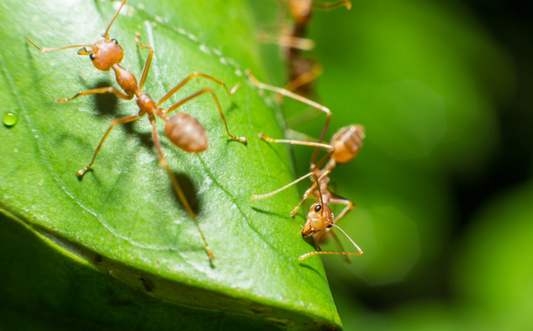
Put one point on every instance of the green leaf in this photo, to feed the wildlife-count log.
(117, 249)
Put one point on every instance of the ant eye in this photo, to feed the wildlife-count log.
(318, 208)
(92, 56)
(114, 41)
(329, 226)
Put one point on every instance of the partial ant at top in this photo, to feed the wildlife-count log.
(181, 129)
(301, 70)
(344, 147)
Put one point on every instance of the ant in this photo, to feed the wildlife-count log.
(301, 70)
(344, 147)
(182, 129)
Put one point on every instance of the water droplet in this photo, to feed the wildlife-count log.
(10, 119)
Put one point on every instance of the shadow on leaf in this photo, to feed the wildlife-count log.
(190, 192)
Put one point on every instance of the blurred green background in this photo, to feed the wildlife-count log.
(443, 182)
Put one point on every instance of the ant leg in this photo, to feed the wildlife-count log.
(305, 78)
(100, 90)
(329, 6)
(298, 98)
(311, 189)
(294, 142)
(49, 50)
(122, 120)
(286, 41)
(314, 164)
(176, 185)
(197, 94)
(359, 251)
(191, 77)
(297, 142)
(262, 196)
(335, 199)
(306, 194)
(321, 237)
(148, 60)
(285, 38)
(349, 206)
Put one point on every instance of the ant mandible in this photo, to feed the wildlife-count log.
(344, 147)
(182, 129)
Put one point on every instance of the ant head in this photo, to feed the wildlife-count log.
(319, 218)
(104, 54)
(301, 10)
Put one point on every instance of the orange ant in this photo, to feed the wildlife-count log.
(301, 70)
(344, 147)
(182, 129)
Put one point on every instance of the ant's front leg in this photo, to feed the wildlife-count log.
(122, 120)
(100, 90)
(148, 60)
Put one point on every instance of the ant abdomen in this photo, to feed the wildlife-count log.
(187, 133)
(347, 142)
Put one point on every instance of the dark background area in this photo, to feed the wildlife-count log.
(508, 22)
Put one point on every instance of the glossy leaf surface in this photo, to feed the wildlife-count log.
(123, 221)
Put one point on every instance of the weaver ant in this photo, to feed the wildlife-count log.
(182, 129)
(343, 148)
(301, 70)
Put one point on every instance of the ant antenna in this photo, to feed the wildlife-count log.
(49, 50)
(320, 194)
(360, 252)
(106, 33)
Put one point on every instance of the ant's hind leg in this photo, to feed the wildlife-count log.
(199, 93)
(176, 185)
(100, 90)
(122, 120)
